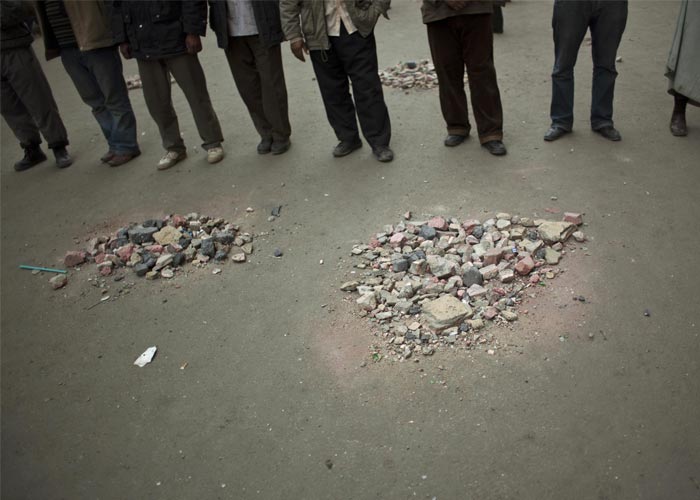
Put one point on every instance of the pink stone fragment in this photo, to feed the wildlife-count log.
(573, 217)
(438, 223)
(397, 239)
(74, 258)
(525, 266)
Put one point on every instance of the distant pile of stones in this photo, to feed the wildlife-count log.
(438, 282)
(160, 247)
(411, 75)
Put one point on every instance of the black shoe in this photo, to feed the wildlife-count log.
(454, 140)
(63, 159)
(496, 148)
(32, 156)
(609, 133)
(265, 146)
(279, 148)
(344, 148)
(555, 133)
(383, 153)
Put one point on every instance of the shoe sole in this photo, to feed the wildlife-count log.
(281, 151)
(454, 144)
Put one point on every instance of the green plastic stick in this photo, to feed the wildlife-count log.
(47, 269)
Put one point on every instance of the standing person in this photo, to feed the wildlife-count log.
(79, 31)
(683, 67)
(250, 33)
(339, 34)
(26, 102)
(571, 19)
(460, 33)
(164, 37)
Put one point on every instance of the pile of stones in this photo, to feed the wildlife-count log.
(162, 247)
(439, 282)
(411, 75)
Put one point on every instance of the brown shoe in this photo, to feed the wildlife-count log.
(107, 156)
(118, 159)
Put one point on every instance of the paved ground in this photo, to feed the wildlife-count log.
(274, 388)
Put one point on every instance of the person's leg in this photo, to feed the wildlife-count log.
(569, 21)
(155, 81)
(607, 26)
(189, 75)
(105, 66)
(446, 51)
(335, 90)
(85, 83)
(22, 73)
(268, 61)
(241, 60)
(477, 51)
(359, 59)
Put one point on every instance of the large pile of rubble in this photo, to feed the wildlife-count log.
(440, 281)
(411, 75)
(161, 247)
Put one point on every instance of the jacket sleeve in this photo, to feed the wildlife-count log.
(289, 16)
(194, 17)
(116, 21)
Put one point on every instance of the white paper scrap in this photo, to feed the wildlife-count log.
(146, 357)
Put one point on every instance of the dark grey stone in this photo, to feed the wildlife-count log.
(472, 276)
(154, 223)
(141, 269)
(478, 232)
(140, 235)
(178, 259)
(417, 255)
(220, 255)
(278, 252)
(150, 263)
(415, 309)
(184, 242)
(533, 235)
(208, 247)
(276, 211)
(224, 238)
(399, 265)
(427, 232)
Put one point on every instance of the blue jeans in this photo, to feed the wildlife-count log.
(570, 21)
(97, 75)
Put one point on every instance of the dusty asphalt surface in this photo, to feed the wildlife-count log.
(274, 387)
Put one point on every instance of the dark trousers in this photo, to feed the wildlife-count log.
(259, 76)
(189, 75)
(27, 103)
(353, 57)
(456, 42)
(571, 19)
(97, 76)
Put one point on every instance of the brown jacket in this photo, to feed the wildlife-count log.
(90, 22)
(437, 10)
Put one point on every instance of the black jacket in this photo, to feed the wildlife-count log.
(14, 32)
(267, 19)
(156, 29)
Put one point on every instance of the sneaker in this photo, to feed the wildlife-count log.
(383, 153)
(120, 159)
(280, 147)
(170, 159)
(32, 156)
(265, 146)
(63, 159)
(215, 155)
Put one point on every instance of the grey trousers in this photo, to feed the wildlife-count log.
(189, 75)
(259, 76)
(27, 103)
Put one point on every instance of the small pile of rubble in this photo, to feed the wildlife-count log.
(411, 75)
(161, 247)
(440, 281)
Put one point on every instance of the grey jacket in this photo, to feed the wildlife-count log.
(306, 19)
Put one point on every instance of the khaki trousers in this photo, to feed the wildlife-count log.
(189, 75)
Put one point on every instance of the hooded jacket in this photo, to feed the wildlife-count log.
(306, 19)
